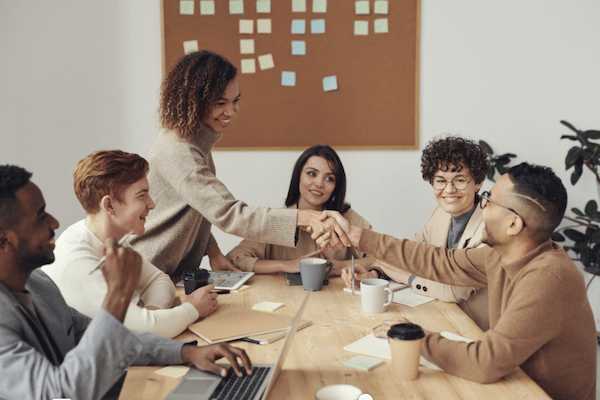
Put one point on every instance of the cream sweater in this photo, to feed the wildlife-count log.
(540, 317)
(78, 251)
(189, 199)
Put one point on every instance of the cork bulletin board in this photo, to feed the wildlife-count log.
(349, 79)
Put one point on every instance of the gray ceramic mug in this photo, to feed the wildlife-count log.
(313, 271)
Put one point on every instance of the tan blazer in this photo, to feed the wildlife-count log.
(473, 301)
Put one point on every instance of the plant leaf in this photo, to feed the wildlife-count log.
(575, 235)
(577, 211)
(591, 208)
(557, 237)
(568, 125)
(576, 175)
(486, 147)
(571, 137)
(573, 155)
(592, 134)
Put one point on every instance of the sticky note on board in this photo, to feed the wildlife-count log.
(263, 6)
(380, 7)
(317, 26)
(186, 7)
(361, 7)
(380, 25)
(361, 27)
(298, 26)
(263, 25)
(364, 363)
(266, 61)
(248, 66)
(247, 26)
(288, 78)
(189, 46)
(236, 6)
(298, 48)
(207, 7)
(246, 46)
(298, 5)
(319, 6)
(330, 83)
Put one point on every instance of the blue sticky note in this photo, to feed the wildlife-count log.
(299, 26)
(330, 83)
(317, 26)
(298, 47)
(288, 78)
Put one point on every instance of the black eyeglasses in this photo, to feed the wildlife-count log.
(485, 198)
(460, 182)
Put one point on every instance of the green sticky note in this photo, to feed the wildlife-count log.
(236, 6)
(319, 6)
(380, 25)
(361, 27)
(186, 7)
(207, 7)
(361, 7)
(263, 6)
(380, 7)
(298, 5)
(364, 363)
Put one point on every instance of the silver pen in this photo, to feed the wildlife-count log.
(352, 275)
(103, 259)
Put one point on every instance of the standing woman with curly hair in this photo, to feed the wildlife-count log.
(455, 168)
(199, 99)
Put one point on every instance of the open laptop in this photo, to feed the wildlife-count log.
(201, 385)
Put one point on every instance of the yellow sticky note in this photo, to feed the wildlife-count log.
(207, 7)
(263, 6)
(189, 46)
(361, 7)
(380, 25)
(380, 7)
(248, 66)
(186, 7)
(319, 6)
(298, 5)
(361, 27)
(266, 61)
(236, 6)
(247, 46)
(174, 371)
(263, 25)
(246, 26)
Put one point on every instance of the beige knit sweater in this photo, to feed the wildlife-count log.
(540, 317)
(189, 199)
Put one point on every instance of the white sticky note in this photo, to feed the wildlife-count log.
(236, 6)
(298, 48)
(330, 83)
(288, 78)
(380, 25)
(319, 6)
(246, 46)
(263, 25)
(186, 7)
(266, 61)
(380, 7)
(267, 306)
(361, 7)
(248, 66)
(299, 26)
(263, 6)
(189, 46)
(298, 5)
(207, 7)
(361, 27)
(317, 26)
(247, 26)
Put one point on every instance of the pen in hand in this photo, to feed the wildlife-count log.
(352, 275)
(103, 259)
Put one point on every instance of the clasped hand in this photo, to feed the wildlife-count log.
(329, 229)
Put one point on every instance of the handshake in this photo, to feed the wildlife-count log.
(329, 229)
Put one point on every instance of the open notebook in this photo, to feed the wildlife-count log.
(199, 385)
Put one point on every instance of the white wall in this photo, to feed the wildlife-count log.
(77, 76)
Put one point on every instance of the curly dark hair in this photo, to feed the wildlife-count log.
(12, 178)
(460, 152)
(190, 89)
(337, 200)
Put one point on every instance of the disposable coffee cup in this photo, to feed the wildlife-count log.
(313, 272)
(194, 279)
(405, 342)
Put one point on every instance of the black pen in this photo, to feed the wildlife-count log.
(246, 339)
(222, 291)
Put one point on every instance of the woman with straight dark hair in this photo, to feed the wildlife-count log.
(318, 183)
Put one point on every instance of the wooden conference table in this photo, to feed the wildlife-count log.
(317, 354)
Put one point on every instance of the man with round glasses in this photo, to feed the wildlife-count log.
(456, 168)
(540, 316)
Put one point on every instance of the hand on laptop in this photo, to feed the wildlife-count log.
(204, 357)
(202, 298)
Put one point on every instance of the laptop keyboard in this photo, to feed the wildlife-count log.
(233, 387)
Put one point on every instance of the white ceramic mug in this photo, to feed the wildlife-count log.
(375, 295)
